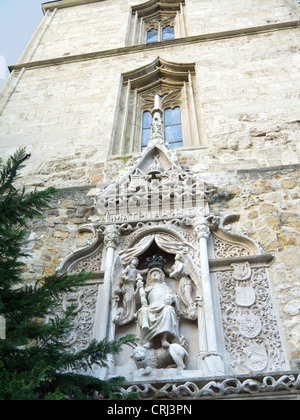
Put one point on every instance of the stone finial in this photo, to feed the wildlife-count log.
(157, 136)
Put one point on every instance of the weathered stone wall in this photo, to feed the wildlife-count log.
(268, 203)
(103, 24)
(108, 23)
(247, 91)
(56, 235)
(224, 15)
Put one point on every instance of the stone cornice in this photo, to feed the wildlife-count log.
(156, 46)
(60, 4)
(224, 263)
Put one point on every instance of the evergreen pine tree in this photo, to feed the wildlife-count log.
(33, 362)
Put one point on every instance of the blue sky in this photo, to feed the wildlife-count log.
(18, 21)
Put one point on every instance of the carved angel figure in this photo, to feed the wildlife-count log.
(126, 291)
(184, 270)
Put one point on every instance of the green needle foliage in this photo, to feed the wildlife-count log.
(34, 364)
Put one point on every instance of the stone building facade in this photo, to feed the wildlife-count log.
(203, 208)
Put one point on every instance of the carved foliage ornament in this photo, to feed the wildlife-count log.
(89, 263)
(85, 299)
(111, 236)
(155, 189)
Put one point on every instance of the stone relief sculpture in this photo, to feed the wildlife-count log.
(157, 308)
(158, 315)
(182, 271)
(158, 319)
(126, 290)
(149, 359)
(251, 333)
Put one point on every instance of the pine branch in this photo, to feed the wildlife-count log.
(8, 172)
(34, 362)
(96, 353)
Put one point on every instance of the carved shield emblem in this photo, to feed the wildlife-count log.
(257, 358)
(241, 271)
(245, 295)
(250, 325)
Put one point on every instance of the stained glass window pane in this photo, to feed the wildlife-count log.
(147, 120)
(173, 127)
(168, 32)
(152, 36)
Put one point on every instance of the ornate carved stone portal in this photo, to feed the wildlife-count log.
(196, 294)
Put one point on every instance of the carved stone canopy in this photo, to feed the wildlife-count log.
(153, 7)
(156, 187)
(159, 70)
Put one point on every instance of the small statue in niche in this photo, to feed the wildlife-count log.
(158, 309)
(182, 270)
(158, 315)
(126, 288)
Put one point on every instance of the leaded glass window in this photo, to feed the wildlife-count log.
(147, 120)
(156, 21)
(152, 36)
(168, 32)
(160, 34)
(173, 127)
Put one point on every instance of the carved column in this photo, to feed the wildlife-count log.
(210, 360)
(111, 241)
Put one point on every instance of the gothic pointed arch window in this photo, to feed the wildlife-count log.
(172, 124)
(175, 84)
(160, 30)
(156, 21)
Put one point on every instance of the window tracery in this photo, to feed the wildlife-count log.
(172, 127)
(156, 21)
(174, 83)
(160, 31)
